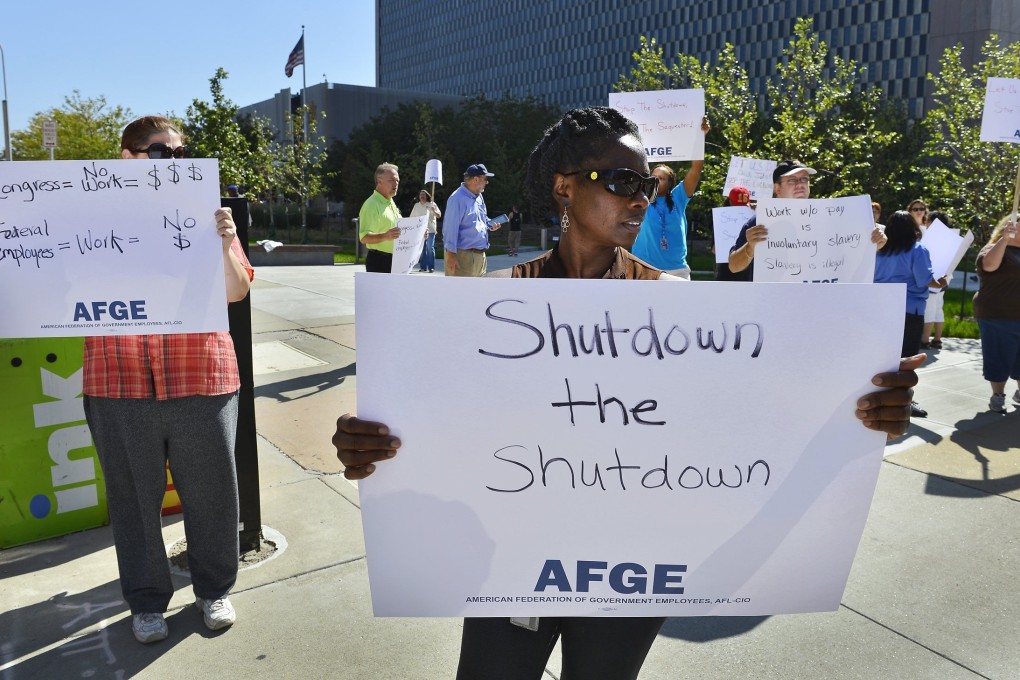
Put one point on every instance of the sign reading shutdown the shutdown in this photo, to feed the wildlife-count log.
(584, 457)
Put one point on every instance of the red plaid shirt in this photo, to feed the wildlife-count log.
(162, 366)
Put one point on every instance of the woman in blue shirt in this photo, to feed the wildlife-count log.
(904, 260)
(662, 241)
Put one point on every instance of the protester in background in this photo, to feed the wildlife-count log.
(425, 206)
(513, 234)
(377, 221)
(876, 212)
(601, 213)
(790, 179)
(997, 310)
(934, 312)
(905, 260)
(662, 241)
(918, 210)
(466, 227)
(738, 196)
(154, 399)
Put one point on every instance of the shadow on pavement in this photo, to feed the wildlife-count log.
(292, 389)
(708, 628)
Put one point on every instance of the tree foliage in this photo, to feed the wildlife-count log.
(972, 181)
(87, 128)
(213, 131)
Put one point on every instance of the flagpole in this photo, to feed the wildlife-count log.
(304, 109)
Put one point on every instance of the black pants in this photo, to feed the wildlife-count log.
(378, 261)
(913, 325)
(603, 648)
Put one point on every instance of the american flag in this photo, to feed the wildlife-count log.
(296, 58)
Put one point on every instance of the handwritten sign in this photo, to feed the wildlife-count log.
(1000, 121)
(823, 240)
(946, 247)
(754, 174)
(110, 248)
(407, 248)
(434, 171)
(726, 224)
(669, 121)
(587, 477)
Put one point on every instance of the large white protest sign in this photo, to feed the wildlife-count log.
(669, 121)
(726, 224)
(583, 456)
(408, 246)
(110, 248)
(1000, 120)
(816, 240)
(754, 174)
(945, 246)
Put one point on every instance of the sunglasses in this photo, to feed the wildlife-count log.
(622, 181)
(161, 150)
(918, 210)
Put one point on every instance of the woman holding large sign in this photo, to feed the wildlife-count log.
(997, 310)
(150, 399)
(591, 169)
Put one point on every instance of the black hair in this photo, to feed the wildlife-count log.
(940, 216)
(902, 232)
(579, 137)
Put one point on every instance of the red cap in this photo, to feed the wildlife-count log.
(740, 196)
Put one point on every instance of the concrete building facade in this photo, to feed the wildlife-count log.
(570, 52)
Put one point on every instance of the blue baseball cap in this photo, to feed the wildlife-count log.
(477, 170)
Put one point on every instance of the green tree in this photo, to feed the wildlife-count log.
(302, 159)
(824, 115)
(972, 181)
(86, 128)
(213, 131)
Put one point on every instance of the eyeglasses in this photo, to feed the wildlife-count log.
(794, 181)
(161, 150)
(622, 181)
(920, 210)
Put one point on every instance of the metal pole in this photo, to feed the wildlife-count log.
(7, 123)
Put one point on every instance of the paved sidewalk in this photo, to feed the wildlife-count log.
(932, 593)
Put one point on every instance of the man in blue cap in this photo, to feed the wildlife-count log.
(466, 225)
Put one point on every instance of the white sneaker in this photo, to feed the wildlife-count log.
(998, 403)
(217, 614)
(149, 627)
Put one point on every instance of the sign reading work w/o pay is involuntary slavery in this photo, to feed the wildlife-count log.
(618, 448)
(110, 247)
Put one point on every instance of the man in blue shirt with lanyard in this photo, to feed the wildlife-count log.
(466, 225)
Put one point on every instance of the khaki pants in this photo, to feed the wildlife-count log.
(469, 263)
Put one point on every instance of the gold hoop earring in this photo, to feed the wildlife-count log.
(564, 221)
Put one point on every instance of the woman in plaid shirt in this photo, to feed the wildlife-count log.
(153, 398)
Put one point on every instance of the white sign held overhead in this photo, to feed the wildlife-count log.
(578, 479)
(1000, 121)
(816, 240)
(754, 174)
(110, 248)
(434, 171)
(669, 122)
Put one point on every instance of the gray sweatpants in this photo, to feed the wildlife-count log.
(134, 438)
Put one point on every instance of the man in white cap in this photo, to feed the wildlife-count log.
(790, 179)
(466, 225)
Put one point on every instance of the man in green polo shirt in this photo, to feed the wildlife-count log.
(378, 220)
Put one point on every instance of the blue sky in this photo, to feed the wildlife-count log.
(162, 61)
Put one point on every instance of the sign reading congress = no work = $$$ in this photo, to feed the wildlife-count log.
(110, 247)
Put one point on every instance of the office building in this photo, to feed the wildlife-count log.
(571, 52)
